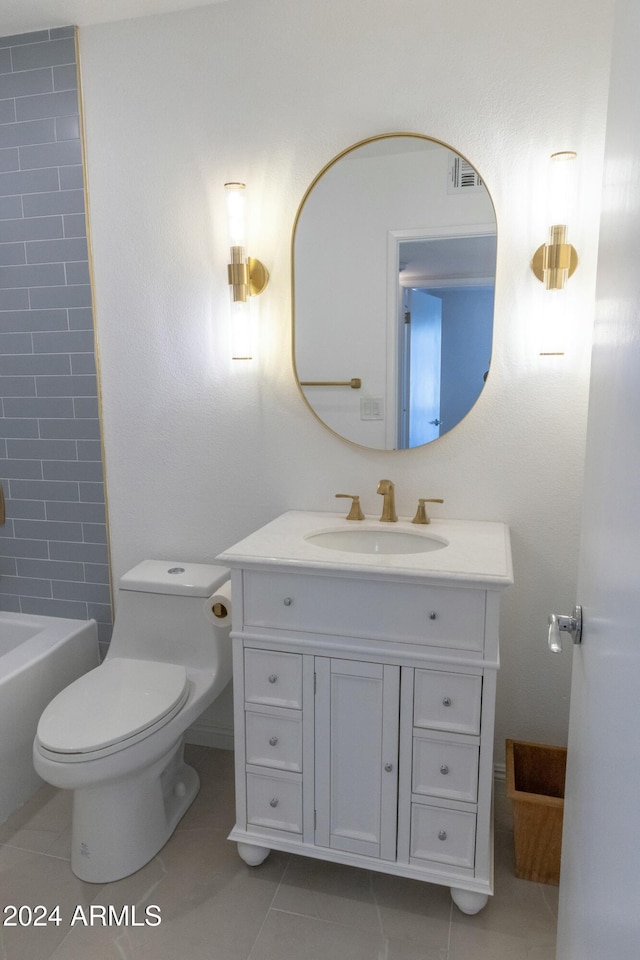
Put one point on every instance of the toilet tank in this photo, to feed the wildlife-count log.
(161, 614)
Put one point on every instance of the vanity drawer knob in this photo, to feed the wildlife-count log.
(433, 615)
(273, 802)
(273, 678)
(444, 769)
(288, 601)
(446, 701)
(273, 741)
(388, 767)
(442, 835)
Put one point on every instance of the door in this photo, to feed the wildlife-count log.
(600, 877)
(357, 707)
(420, 379)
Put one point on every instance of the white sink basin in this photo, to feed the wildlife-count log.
(476, 551)
(375, 541)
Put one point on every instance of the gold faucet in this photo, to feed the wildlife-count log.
(355, 513)
(421, 514)
(389, 515)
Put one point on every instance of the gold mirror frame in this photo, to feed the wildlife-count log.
(355, 382)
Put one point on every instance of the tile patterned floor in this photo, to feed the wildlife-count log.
(214, 907)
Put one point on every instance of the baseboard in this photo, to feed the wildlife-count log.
(205, 733)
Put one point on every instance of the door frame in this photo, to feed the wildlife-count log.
(395, 308)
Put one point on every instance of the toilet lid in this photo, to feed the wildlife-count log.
(111, 703)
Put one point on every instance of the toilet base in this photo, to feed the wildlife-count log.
(118, 826)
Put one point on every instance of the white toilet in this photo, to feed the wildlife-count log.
(115, 735)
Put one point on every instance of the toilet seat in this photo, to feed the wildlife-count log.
(109, 708)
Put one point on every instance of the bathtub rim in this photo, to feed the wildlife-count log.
(54, 632)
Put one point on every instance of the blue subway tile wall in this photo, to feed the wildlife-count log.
(53, 548)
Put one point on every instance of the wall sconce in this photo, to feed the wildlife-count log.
(247, 277)
(555, 261)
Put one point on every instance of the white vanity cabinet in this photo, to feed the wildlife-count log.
(364, 705)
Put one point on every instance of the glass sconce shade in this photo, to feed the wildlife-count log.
(555, 261)
(247, 277)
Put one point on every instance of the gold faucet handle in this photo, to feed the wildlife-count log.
(355, 513)
(421, 514)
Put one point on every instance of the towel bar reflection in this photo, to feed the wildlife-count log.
(355, 383)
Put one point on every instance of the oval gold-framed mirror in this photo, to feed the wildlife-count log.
(393, 277)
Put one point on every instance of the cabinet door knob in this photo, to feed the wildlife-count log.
(442, 835)
(273, 741)
(446, 701)
(273, 678)
(288, 601)
(444, 769)
(433, 615)
(273, 802)
(388, 767)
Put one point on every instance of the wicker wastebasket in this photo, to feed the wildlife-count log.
(535, 786)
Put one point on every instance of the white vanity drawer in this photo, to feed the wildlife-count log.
(274, 802)
(273, 678)
(447, 701)
(445, 769)
(412, 613)
(274, 739)
(446, 836)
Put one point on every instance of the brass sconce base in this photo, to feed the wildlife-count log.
(258, 277)
(247, 278)
(538, 261)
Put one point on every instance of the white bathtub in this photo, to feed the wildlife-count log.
(39, 656)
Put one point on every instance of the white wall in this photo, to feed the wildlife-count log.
(200, 450)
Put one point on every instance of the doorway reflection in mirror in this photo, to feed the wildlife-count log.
(446, 332)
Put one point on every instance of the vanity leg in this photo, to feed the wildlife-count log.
(252, 855)
(467, 901)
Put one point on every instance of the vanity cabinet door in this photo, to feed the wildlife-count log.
(448, 701)
(442, 835)
(273, 678)
(274, 738)
(275, 801)
(444, 768)
(356, 723)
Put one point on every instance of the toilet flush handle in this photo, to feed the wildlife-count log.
(558, 623)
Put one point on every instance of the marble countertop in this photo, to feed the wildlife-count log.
(477, 552)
